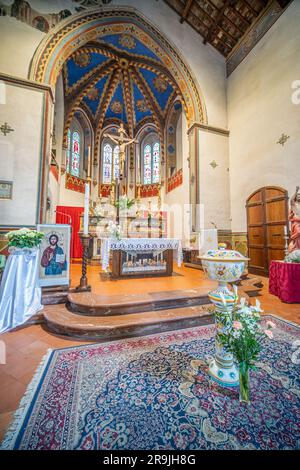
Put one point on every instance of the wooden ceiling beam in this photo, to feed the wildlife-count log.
(250, 7)
(215, 22)
(241, 17)
(186, 10)
(207, 27)
(231, 6)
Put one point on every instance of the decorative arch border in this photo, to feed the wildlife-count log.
(76, 30)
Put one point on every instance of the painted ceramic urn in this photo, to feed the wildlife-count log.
(224, 266)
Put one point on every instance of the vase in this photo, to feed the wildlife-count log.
(223, 266)
(244, 379)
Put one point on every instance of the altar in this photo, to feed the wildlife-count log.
(140, 257)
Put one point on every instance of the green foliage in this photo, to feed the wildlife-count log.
(244, 336)
(24, 238)
(293, 257)
(124, 203)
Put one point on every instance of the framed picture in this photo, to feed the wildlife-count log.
(6, 189)
(54, 258)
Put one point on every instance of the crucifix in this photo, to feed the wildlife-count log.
(122, 142)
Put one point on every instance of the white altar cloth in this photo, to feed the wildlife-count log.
(20, 296)
(140, 244)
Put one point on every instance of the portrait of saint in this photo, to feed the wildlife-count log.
(53, 258)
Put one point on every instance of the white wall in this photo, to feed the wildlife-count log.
(20, 153)
(260, 109)
(177, 200)
(214, 182)
(18, 43)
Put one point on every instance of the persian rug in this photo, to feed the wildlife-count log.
(154, 392)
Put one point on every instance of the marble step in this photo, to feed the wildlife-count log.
(59, 320)
(87, 303)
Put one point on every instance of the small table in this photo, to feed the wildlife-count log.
(141, 257)
(284, 281)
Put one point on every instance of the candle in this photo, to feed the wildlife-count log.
(89, 162)
(285, 230)
(86, 209)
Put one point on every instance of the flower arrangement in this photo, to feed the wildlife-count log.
(243, 336)
(293, 257)
(114, 230)
(124, 203)
(24, 238)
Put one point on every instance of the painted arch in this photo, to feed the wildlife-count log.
(76, 30)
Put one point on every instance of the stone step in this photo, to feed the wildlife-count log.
(59, 320)
(87, 303)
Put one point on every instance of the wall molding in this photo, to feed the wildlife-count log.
(25, 82)
(208, 128)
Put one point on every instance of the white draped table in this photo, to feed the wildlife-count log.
(20, 295)
(140, 244)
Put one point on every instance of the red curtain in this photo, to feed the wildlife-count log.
(71, 215)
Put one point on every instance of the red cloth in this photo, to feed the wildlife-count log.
(284, 281)
(71, 215)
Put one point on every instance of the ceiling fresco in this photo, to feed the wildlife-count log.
(133, 86)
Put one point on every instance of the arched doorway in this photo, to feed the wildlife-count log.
(267, 215)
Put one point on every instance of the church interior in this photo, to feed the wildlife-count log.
(149, 225)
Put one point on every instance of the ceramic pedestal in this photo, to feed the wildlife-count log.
(222, 368)
(224, 266)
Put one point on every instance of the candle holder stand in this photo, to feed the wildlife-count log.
(83, 285)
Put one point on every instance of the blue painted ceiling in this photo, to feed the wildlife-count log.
(119, 79)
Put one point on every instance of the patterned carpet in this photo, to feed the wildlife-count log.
(153, 392)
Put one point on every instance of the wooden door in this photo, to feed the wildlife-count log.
(267, 215)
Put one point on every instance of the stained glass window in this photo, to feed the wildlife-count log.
(107, 163)
(155, 163)
(116, 162)
(151, 163)
(147, 164)
(68, 150)
(75, 161)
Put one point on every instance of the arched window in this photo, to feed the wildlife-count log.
(73, 153)
(110, 163)
(75, 159)
(68, 151)
(151, 160)
(107, 162)
(116, 162)
(147, 164)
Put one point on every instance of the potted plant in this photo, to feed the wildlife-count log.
(24, 238)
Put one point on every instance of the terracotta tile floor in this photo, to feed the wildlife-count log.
(25, 347)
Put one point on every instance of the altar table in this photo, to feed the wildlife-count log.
(284, 281)
(141, 257)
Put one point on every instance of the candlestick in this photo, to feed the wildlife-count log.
(86, 209)
(83, 285)
(89, 162)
